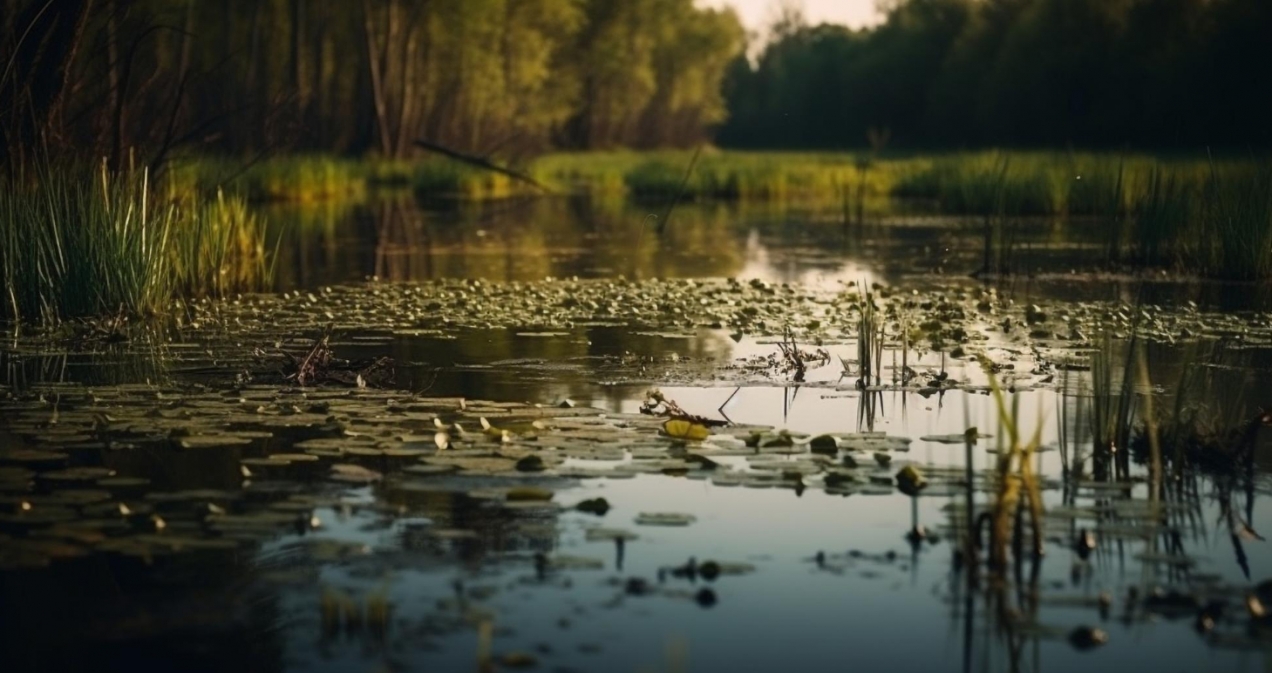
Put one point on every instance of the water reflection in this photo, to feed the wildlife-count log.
(835, 576)
(395, 236)
(411, 573)
(397, 239)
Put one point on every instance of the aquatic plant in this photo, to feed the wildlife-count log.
(1216, 222)
(871, 332)
(1236, 221)
(78, 242)
(1112, 407)
(1014, 481)
(1159, 228)
(223, 251)
(304, 178)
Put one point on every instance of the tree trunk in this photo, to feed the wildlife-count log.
(38, 56)
(375, 62)
(298, 58)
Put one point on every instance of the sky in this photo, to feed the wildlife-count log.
(758, 14)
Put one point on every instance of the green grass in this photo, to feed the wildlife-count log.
(78, 242)
(219, 249)
(746, 176)
(1218, 224)
(1188, 214)
(301, 178)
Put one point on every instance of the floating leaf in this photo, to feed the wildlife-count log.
(357, 474)
(597, 506)
(823, 444)
(529, 493)
(664, 519)
(910, 480)
(680, 428)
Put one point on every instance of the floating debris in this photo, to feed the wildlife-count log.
(664, 519)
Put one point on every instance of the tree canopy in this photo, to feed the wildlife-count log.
(958, 73)
(139, 79)
(478, 76)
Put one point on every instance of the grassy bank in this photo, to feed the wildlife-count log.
(1008, 183)
(78, 242)
(1192, 214)
(320, 178)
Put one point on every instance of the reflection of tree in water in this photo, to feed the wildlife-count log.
(499, 364)
(402, 241)
(308, 240)
(401, 238)
(701, 240)
(496, 530)
(184, 611)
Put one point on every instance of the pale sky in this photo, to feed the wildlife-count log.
(758, 14)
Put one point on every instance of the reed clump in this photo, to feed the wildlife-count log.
(1016, 488)
(1216, 224)
(302, 178)
(83, 242)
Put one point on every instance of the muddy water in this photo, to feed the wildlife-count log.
(282, 564)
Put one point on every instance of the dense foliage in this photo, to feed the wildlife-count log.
(1020, 73)
(254, 76)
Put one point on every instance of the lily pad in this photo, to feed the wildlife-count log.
(664, 519)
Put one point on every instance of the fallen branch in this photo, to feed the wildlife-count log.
(482, 163)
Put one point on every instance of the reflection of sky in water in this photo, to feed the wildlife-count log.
(808, 267)
(905, 614)
(876, 614)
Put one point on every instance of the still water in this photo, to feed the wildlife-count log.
(265, 564)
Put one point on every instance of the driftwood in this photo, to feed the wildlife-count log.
(482, 163)
(657, 404)
(319, 365)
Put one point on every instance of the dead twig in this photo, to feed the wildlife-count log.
(483, 163)
(657, 404)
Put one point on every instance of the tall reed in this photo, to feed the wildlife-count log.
(1214, 223)
(79, 242)
(219, 248)
(1016, 481)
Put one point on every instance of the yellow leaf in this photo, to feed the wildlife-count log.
(680, 428)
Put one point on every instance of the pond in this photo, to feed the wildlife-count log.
(479, 472)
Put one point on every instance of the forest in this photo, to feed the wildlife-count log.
(516, 78)
(634, 335)
(244, 77)
(1147, 74)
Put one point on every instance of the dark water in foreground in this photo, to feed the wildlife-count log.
(416, 572)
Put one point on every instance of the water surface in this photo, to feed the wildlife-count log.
(438, 577)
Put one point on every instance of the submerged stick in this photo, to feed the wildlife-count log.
(680, 191)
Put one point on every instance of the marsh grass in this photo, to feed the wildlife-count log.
(1017, 491)
(1237, 214)
(81, 242)
(1214, 223)
(1112, 404)
(871, 334)
(725, 175)
(220, 250)
(436, 177)
(1210, 217)
(298, 178)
